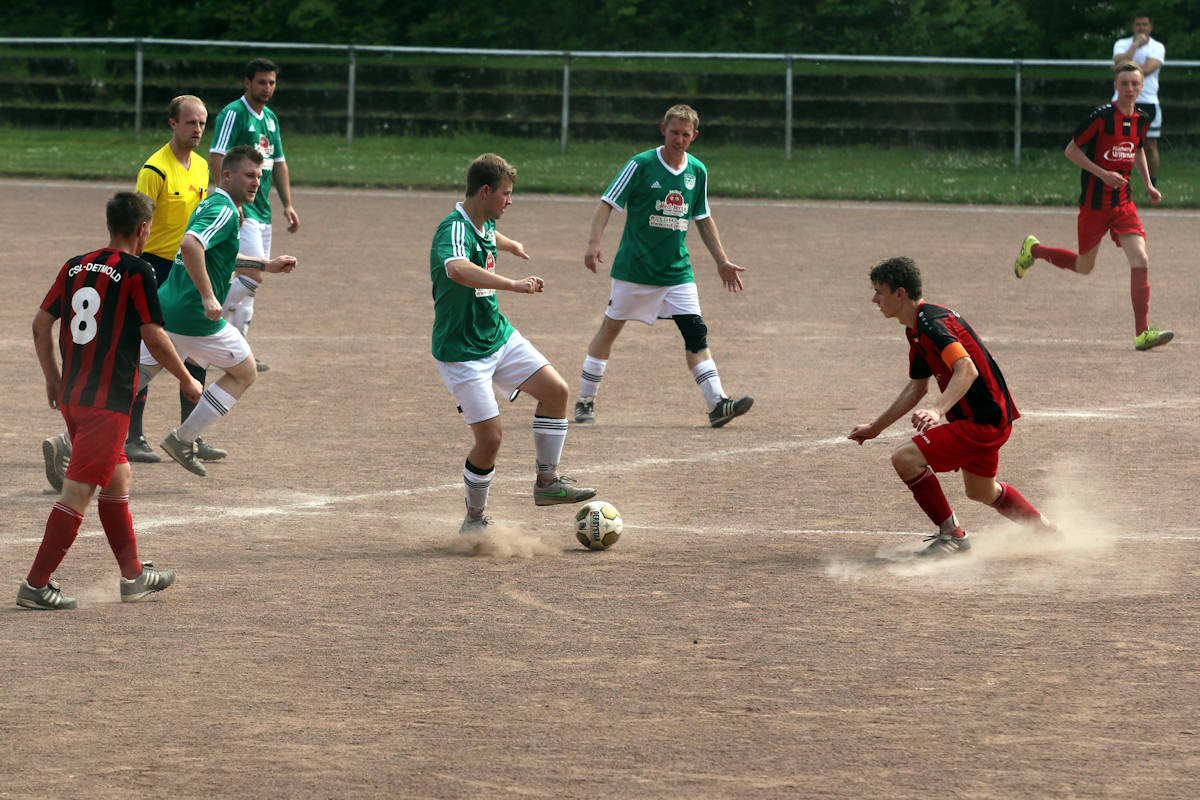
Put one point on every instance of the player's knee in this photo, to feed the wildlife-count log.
(908, 460)
(693, 330)
(986, 493)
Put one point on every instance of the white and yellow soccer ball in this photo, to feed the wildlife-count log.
(598, 525)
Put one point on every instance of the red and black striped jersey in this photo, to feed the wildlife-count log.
(1110, 139)
(938, 339)
(103, 298)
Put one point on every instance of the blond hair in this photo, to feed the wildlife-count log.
(176, 107)
(683, 112)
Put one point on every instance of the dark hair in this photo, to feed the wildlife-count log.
(126, 210)
(257, 65)
(899, 273)
(1146, 14)
(236, 155)
(488, 170)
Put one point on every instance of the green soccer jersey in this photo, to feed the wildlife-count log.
(238, 124)
(215, 223)
(658, 203)
(467, 323)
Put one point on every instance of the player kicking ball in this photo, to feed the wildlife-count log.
(478, 351)
(964, 428)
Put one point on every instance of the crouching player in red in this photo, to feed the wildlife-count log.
(108, 303)
(975, 405)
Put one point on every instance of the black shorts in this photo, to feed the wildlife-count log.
(162, 267)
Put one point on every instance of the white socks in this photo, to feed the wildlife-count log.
(239, 303)
(477, 489)
(709, 382)
(589, 379)
(214, 404)
(548, 437)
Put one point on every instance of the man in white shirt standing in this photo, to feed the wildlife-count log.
(1149, 54)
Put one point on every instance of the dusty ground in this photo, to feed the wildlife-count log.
(753, 633)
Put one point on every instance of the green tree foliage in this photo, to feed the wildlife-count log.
(950, 28)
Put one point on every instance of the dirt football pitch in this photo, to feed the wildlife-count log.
(757, 631)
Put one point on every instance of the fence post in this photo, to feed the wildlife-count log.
(787, 132)
(566, 100)
(350, 97)
(138, 71)
(1017, 117)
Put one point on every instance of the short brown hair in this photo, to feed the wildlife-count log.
(125, 211)
(683, 112)
(236, 155)
(1129, 66)
(488, 170)
(176, 107)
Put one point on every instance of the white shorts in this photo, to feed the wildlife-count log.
(648, 303)
(473, 384)
(1155, 131)
(224, 349)
(255, 239)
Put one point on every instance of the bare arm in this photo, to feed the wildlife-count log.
(43, 345)
(214, 168)
(276, 264)
(1143, 169)
(462, 271)
(964, 374)
(508, 245)
(1113, 180)
(726, 268)
(1127, 55)
(160, 346)
(906, 401)
(592, 257)
(283, 185)
(1151, 66)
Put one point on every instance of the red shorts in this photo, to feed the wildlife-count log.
(1116, 222)
(963, 445)
(97, 443)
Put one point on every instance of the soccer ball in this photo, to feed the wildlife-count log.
(598, 525)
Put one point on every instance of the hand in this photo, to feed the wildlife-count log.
(925, 418)
(518, 249)
(1140, 39)
(191, 389)
(530, 285)
(281, 264)
(1113, 180)
(212, 309)
(729, 275)
(862, 433)
(1154, 194)
(52, 390)
(592, 258)
(293, 219)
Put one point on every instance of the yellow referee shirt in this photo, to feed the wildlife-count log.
(176, 192)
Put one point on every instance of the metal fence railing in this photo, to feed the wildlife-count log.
(786, 61)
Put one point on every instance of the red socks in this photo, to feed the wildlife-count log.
(1059, 257)
(1139, 294)
(1012, 505)
(118, 527)
(61, 529)
(927, 491)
